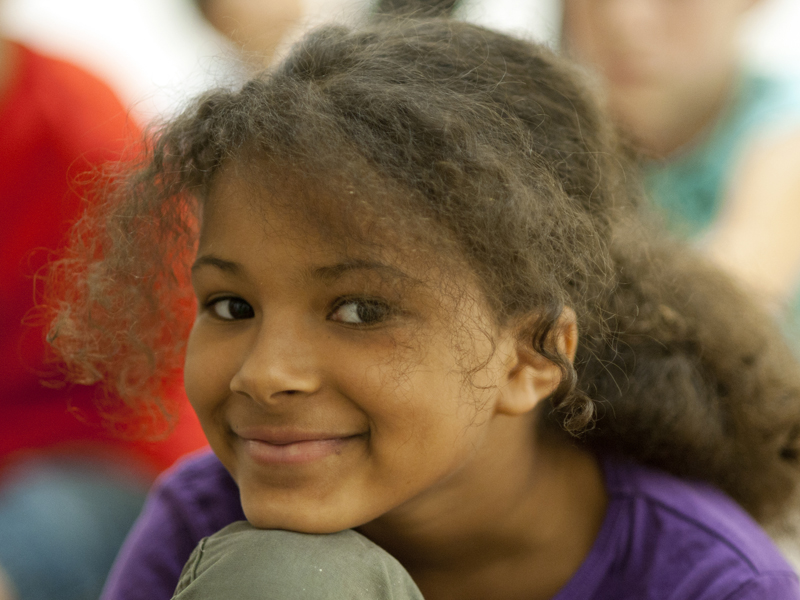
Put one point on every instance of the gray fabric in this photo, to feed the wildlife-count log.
(245, 563)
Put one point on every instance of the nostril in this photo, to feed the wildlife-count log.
(285, 394)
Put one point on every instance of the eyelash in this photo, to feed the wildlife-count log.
(213, 305)
(369, 304)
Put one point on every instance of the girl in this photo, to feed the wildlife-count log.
(431, 323)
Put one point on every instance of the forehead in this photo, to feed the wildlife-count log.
(282, 203)
(302, 221)
(256, 236)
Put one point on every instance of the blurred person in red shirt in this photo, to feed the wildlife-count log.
(70, 487)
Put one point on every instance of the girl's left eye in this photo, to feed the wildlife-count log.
(360, 312)
(231, 309)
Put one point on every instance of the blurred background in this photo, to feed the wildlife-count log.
(730, 184)
(157, 53)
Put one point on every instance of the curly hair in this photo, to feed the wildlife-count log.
(496, 142)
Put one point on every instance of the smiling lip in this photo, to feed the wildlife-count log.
(293, 447)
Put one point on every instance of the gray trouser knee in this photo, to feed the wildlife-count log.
(244, 563)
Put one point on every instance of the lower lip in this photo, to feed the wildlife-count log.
(296, 452)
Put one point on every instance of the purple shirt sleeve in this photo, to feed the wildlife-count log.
(775, 586)
(670, 539)
(191, 501)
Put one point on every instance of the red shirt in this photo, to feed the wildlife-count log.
(56, 121)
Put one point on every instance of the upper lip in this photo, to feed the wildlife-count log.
(285, 436)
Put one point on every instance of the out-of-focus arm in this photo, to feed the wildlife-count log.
(757, 238)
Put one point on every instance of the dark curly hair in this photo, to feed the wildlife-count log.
(495, 143)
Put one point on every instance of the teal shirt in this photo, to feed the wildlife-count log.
(690, 187)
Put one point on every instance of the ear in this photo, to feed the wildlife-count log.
(530, 377)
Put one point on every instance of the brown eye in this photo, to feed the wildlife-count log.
(360, 312)
(232, 309)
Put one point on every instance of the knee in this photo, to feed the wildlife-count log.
(243, 562)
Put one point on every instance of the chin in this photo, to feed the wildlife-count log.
(315, 520)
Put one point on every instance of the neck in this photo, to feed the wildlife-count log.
(661, 124)
(522, 533)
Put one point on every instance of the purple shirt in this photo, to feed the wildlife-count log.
(662, 538)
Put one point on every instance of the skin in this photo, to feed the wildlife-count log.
(667, 68)
(756, 238)
(6, 65)
(257, 27)
(363, 352)
(6, 592)
(7, 60)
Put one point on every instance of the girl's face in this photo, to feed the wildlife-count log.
(333, 385)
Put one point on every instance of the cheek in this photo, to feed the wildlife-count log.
(581, 30)
(423, 414)
(208, 370)
(396, 385)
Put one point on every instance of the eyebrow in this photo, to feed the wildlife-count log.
(209, 260)
(331, 272)
(327, 272)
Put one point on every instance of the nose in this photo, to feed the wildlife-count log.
(281, 362)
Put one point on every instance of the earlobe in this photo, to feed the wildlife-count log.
(532, 378)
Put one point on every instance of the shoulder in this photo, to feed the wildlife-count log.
(691, 539)
(193, 500)
(766, 99)
(764, 107)
(61, 76)
(202, 490)
(79, 110)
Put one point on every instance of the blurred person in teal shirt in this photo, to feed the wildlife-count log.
(719, 142)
